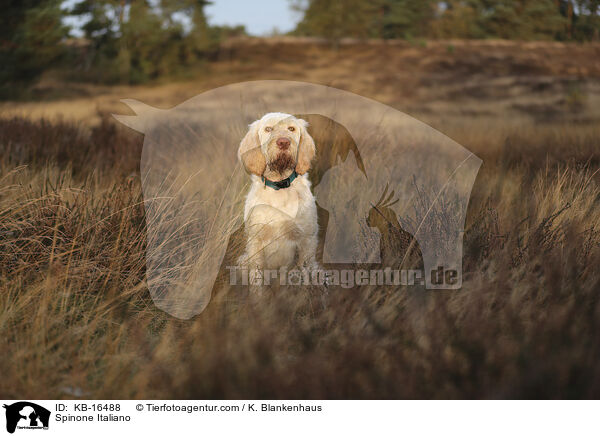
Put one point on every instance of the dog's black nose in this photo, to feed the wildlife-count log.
(283, 143)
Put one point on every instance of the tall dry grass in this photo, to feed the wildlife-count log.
(76, 319)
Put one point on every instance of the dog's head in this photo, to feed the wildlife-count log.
(275, 145)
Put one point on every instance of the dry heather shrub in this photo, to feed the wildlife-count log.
(75, 312)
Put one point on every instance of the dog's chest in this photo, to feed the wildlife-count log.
(287, 200)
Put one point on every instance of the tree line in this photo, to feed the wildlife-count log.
(122, 41)
(133, 41)
(562, 20)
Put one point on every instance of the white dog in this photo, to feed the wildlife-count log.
(280, 214)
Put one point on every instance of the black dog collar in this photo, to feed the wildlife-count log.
(282, 184)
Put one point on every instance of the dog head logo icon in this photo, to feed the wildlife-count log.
(26, 415)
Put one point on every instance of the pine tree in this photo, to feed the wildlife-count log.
(30, 41)
(506, 19)
(406, 18)
(336, 19)
(586, 23)
(458, 19)
(522, 19)
(139, 40)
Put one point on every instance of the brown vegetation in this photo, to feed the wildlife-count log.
(76, 319)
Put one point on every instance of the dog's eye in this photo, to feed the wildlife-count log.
(268, 129)
(291, 128)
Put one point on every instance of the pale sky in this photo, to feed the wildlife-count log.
(259, 16)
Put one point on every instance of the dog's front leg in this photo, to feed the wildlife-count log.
(307, 249)
(255, 260)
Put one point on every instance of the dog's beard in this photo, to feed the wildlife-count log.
(283, 161)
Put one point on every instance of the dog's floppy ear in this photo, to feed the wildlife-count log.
(306, 150)
(250, 154)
